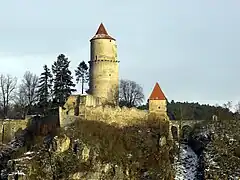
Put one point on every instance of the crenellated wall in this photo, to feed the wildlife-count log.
(8, 128)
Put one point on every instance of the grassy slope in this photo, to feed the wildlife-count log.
(135, 147)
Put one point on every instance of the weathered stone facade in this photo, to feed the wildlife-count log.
(158, 106)
(157, 101)
(8, 128)
(110, 115)
(101, 102)
(103, 79)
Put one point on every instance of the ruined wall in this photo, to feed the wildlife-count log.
(70, 103)
(121, 116)
(80, 101)
(8, 128)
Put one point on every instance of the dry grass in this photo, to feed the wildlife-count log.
(135, 147)
(115, 144)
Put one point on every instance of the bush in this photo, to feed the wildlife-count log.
(115, 143)
(237, 151)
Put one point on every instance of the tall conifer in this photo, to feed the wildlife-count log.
(63, 85)
(82, 74)
(44, 89)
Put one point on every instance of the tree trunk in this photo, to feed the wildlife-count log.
(3, 133)
(82, 84)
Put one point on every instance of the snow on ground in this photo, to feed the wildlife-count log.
(18, 173)
(29, 153)
(23, 158)
(187, 164)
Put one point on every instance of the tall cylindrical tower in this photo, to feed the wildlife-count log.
(103, 71)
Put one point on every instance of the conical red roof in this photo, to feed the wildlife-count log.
(102, 33)
(157, 93)
(101, 30)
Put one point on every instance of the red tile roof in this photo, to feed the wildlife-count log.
(102, 33)
(101, 30)
(157, 93)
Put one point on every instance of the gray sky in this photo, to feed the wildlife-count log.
(192, 48)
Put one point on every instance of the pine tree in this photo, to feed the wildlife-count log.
(82, 74)
(44, 89)
(63, 85)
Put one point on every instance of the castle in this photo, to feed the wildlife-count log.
(104, 87)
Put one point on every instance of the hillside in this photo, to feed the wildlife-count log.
(96, 150)
(218, 144)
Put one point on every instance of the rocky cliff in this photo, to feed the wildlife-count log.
(96, 150)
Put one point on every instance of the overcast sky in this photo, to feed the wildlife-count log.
(192, 48)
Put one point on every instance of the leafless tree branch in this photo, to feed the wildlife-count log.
(130, 93)
(7, 87)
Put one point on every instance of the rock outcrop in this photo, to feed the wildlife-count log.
(96, 150)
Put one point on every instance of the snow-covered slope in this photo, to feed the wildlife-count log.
(186, 164)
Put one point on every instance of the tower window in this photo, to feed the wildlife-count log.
(110, 40)
(159, 107)
(109, 74)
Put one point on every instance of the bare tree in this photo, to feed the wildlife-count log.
(21, 101)
(237, 107)
(28, 89)
(228, 105)
(113, 96)
(7, 87)
(237, 110)
(82, 74)
(130, 93)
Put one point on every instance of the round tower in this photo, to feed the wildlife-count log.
(103, 67)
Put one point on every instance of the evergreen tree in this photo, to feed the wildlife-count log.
(44, 89)
(62, 81)
(82, 74)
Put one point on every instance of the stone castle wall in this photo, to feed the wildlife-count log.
(89, 107)
(8, 128)
(121, 116)
(81, 100)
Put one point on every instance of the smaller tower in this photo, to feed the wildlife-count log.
(157, 101)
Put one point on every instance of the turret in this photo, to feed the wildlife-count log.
(103, 71)
(157, 101)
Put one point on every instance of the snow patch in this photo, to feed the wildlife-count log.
(29, 153)
(186, 165)
(23, 158)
